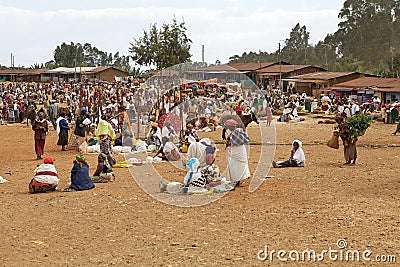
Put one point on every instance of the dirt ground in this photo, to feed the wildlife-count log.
(119, 224)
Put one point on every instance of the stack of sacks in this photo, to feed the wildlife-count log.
(141, 146)
(126, 149)
(117, 149)
(93, 149)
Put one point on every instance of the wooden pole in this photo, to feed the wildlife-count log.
(138, 122)
(99, 104)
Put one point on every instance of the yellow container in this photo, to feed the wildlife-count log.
(184, 148)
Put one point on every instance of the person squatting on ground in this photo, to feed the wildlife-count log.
(103, 173)
(45, 179)
(154, 135)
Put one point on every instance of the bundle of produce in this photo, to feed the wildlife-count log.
(357, 125)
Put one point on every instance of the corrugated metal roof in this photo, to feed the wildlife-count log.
(251, 66)
(370, 82)
(326, 75)
(22, 71)
(64, 70)
(276, 69)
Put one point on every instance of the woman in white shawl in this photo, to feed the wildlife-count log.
(297, 157)
(236, 153)
(205, 151)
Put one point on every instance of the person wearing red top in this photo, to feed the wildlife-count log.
(40, 127)
(239, 108)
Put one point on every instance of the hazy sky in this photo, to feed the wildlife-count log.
(31, 30)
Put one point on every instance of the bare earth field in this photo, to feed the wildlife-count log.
(119, 224)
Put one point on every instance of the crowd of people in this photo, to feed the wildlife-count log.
(102, 114)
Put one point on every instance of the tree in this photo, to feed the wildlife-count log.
(295, 48)
(74, 55)
(37, 66)
(369, 30)
(136, 72)
(162, 47)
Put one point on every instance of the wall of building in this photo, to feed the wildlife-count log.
(109, 74)
(392, 97)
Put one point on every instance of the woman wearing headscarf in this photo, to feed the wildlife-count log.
(80, 179)
(168, 131)
(236, 153)
(46, 178)
(193, 176)
(40, 127)
(297, 157)
(80, 127)
(154, 135)
(205, 151)
(104, 128)
(62, 131)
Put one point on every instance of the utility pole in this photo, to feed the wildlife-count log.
(202, 54)
(326, 57)
(202, 59)
(12, 65)
(280, 67)
(392, 50)
(305, 52)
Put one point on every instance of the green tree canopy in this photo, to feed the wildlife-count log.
(369, 30)
(367, 40)
(162, 47)
(296, 46)
(71, 55)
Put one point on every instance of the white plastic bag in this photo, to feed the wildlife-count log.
(86, 122)
(117, 149)
(2, 180)
(126, 149)
(149, 160)
(133, 160)
(83, 148)
(174, 187)
(151, 148)
(93, 149)
(157, 159)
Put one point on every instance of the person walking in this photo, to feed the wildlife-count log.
(53, 113)
(269, 115)
(350, 147)
(40, 127)
(62, 131)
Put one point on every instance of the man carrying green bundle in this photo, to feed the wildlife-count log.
(349, 130)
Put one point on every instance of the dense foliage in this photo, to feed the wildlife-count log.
(367, 40)
(162, 47)
(357, 125)
(74, 55)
